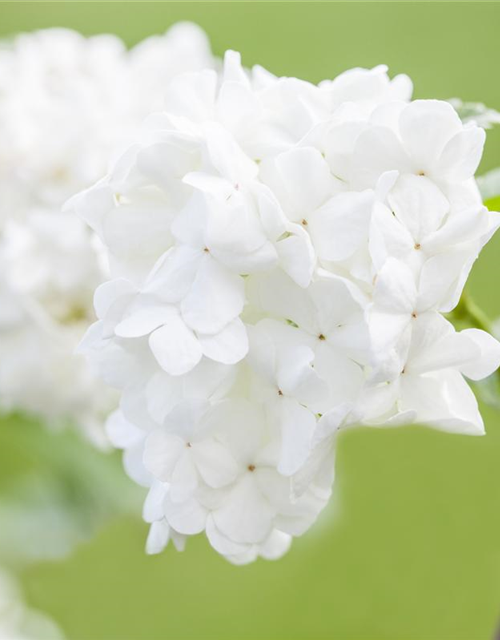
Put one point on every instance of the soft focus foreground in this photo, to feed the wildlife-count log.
(62, 116)
(448, 453)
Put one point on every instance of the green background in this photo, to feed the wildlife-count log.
(414, 549)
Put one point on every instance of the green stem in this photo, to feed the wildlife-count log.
(467, 314)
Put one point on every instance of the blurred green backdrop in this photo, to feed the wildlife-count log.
(414, 553)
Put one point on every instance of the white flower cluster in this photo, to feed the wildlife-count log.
(282, 256)
(66, 102)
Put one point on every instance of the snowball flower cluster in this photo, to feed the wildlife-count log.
(66, 104)
(282, 256)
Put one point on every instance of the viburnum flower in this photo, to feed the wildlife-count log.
(67, 104)
(282, 255)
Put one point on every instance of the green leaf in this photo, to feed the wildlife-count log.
(56, 490)
(493, 204)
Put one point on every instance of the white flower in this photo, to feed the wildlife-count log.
(282, 255)
(198, 316)
(63, 110)
(429, 387)
(245, 513)
(183, 452)
(425, 137)
(286, 381)
(67, 104)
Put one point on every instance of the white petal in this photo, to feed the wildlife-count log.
(465, 226)
(227, 156)
(441, 280)
(297, 428)
(175, 347)
(377, 150)
(185, 419)
(262, 352)
(462, 154)
(272, 217)
(158, 537)
(216, 297)
(262, 259)
(221, 543)
(162, 451)
(168, 161)
(108, 293)
(187, 517)
(228, 346)
(239, 425)
(388, 237)
(209, 379)
(184, 478)
(337, 302)
(344, 376)
(235, 226)
(425, 127)
(233, 69)
(121, 432)
(418, 204)
(276, 545)
(134, 466)
(140, 229)
(153, 505)
(246, 516)
(443, 400)
(237, 106)
(489, 360)
(436, 345)
(297, 378)
(279, 296)
(340, 226)
(192, 95)
(395, 290)
(330, 422)
(214, 462)
(174, 274)
(147, 316)
(300, 178)
(296, 256)
(208, 184)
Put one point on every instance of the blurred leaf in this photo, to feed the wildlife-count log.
(489, 187)
(476, 112)
(56, 490)
(488, 390)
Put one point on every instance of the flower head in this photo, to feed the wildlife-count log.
(282, 255)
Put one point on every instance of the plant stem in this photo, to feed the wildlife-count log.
(467, 314)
